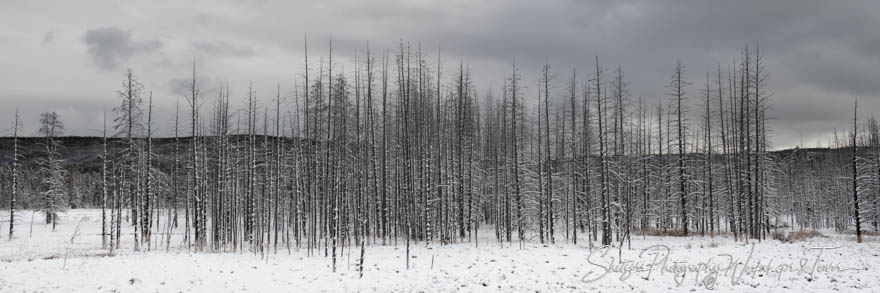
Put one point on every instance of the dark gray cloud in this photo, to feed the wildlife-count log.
(179, 86)
(223, 48)
(821, 55)
(110, 47)
(837, 68)
(48, 37)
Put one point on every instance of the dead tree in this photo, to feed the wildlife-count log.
(14, 186)
(855, 173)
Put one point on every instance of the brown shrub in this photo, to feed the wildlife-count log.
(723, 233)
(777, 235)
(795, 236)
(659, 232)
(801, 235)
(870, 233)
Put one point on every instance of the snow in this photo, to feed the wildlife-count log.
(49, 261)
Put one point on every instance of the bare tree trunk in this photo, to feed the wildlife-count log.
(14, 191)
(600, 106)
(550, 219)
(855, 173)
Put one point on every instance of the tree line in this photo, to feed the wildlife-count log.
(401, 149)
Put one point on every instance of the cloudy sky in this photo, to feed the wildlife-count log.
(70, 56)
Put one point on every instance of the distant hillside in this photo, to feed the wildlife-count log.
(83, 152)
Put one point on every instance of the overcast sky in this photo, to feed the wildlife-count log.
(70, 56)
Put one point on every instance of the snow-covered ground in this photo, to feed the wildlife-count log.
(48, 261)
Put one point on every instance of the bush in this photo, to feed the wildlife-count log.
(795, 236)
(659, 232)
(777, 235)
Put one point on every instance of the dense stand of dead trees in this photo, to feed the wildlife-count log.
(391, 151)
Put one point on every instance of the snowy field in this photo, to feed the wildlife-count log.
(47, 261)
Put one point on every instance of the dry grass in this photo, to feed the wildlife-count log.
(675, 232)
(659, 232)
(777, 235)
(869, 233)
(795, 236)
(725, 233)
